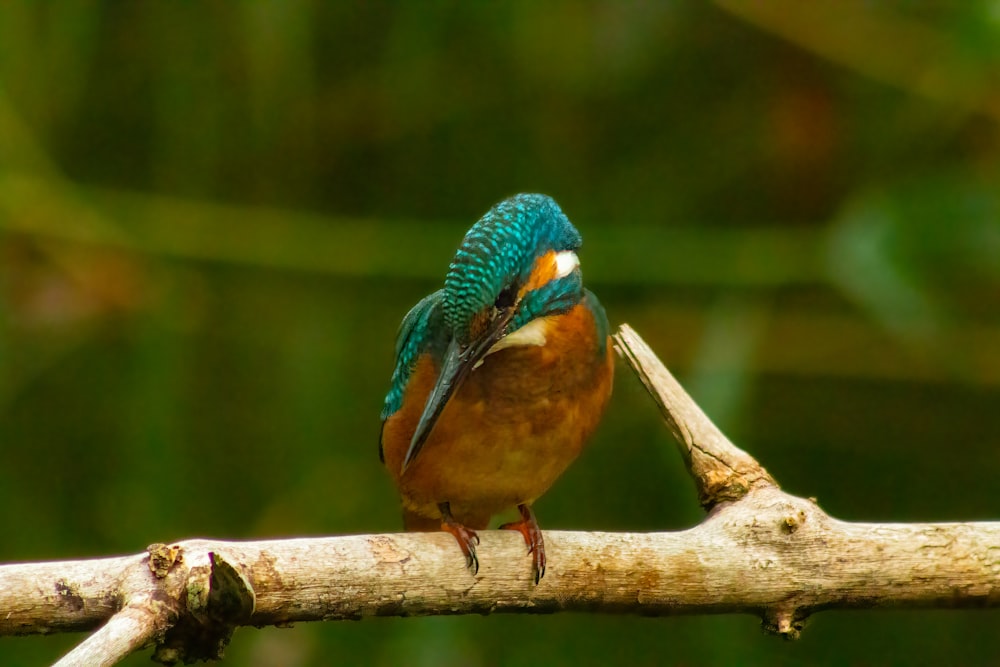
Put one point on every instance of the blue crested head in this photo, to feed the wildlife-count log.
(496, 259)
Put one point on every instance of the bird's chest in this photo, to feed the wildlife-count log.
(509, 429)
(512, 428)
(522, 384)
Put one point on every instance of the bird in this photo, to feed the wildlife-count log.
(500, 378)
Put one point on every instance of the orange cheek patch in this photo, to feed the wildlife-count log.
(542, 272)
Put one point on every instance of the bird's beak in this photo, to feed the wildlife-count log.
(458, 362)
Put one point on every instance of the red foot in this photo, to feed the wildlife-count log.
(466, 537)
(528, 527)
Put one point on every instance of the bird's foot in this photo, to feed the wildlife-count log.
(466, 537)
(528, 527)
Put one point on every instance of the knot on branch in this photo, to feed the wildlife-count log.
(785, 622)
(162, 559)
(217, 598)
(720, 482)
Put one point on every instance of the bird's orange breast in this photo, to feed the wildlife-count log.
(510, 430)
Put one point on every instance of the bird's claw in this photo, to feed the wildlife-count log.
(467, 541)
(528, 527)
(466, 537)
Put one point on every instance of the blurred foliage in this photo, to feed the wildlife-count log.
(214, 215)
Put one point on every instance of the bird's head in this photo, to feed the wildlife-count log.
(517, 264)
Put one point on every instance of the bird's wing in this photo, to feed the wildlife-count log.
(600, 319)
(421, 330)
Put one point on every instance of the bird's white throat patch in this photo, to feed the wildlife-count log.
(532, 333)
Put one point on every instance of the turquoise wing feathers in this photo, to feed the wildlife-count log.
(600, 320)
(421, 330)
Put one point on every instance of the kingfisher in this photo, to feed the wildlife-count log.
(500, 378)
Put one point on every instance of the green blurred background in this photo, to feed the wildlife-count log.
(214, 215)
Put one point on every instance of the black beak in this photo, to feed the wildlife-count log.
(459, 361)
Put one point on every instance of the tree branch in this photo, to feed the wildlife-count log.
(720, 469)
(759, 551)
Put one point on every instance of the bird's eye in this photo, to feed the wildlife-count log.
(506, 298)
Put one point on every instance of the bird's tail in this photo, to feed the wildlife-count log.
(417, 523)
